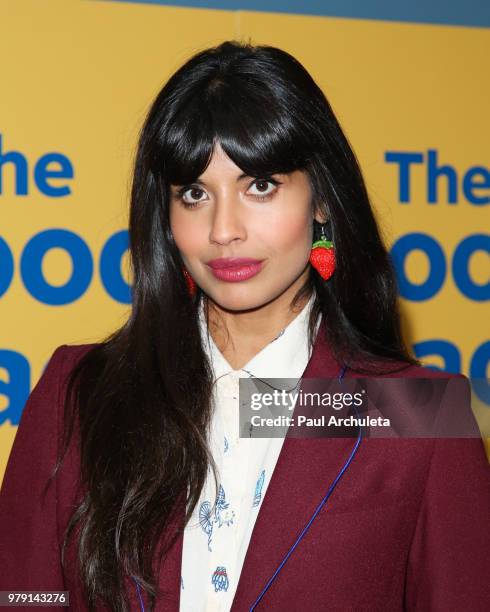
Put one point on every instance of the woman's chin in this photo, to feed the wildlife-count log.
(238, 298)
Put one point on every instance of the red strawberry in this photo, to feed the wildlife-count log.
(191, 284)
(322, 258)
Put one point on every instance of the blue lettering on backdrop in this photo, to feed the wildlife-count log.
(31, 266)
(434, 172)
(444, 349)
(480, 360)
(110, 267)
(82, 267)
(461, 259)
(478, 370)
(42, 173)
(404, 159)
(6, 266)
(451, 357)
(437, 266)
(469, 185)
(16, 390)
(476, 178)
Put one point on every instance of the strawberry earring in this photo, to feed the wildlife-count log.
(191, 284)
(322, 256)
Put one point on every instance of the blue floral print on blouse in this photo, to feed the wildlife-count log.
(258, 489)
(220, 579)
(223, 515)
(206, 520)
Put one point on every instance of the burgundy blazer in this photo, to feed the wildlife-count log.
(406, 528)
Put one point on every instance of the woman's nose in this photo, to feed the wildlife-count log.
(226, 223)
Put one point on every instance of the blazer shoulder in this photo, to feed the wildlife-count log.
(57, 371)
(73, 352)
(66, 356)
(47, 392)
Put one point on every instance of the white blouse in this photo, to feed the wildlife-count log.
(216, 538)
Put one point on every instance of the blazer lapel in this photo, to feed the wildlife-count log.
(303, 474)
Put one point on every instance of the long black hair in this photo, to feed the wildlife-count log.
(141, 399)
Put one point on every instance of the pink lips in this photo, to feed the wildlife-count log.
(235, 269)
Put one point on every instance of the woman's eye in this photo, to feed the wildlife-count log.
(190, 195)
(264, 188)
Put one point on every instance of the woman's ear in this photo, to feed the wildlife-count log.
(320, 217)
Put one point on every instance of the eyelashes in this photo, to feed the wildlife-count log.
(264, 180)
(180, 193)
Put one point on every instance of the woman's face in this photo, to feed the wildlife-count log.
(222, 216)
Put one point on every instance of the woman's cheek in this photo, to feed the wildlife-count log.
(288, 236)
(188, 236)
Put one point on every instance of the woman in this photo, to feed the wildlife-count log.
(156, 501)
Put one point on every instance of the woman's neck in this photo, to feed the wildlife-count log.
(240, 335)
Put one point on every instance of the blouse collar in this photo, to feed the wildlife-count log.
(284, 357)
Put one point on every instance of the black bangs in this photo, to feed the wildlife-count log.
(257, 133)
